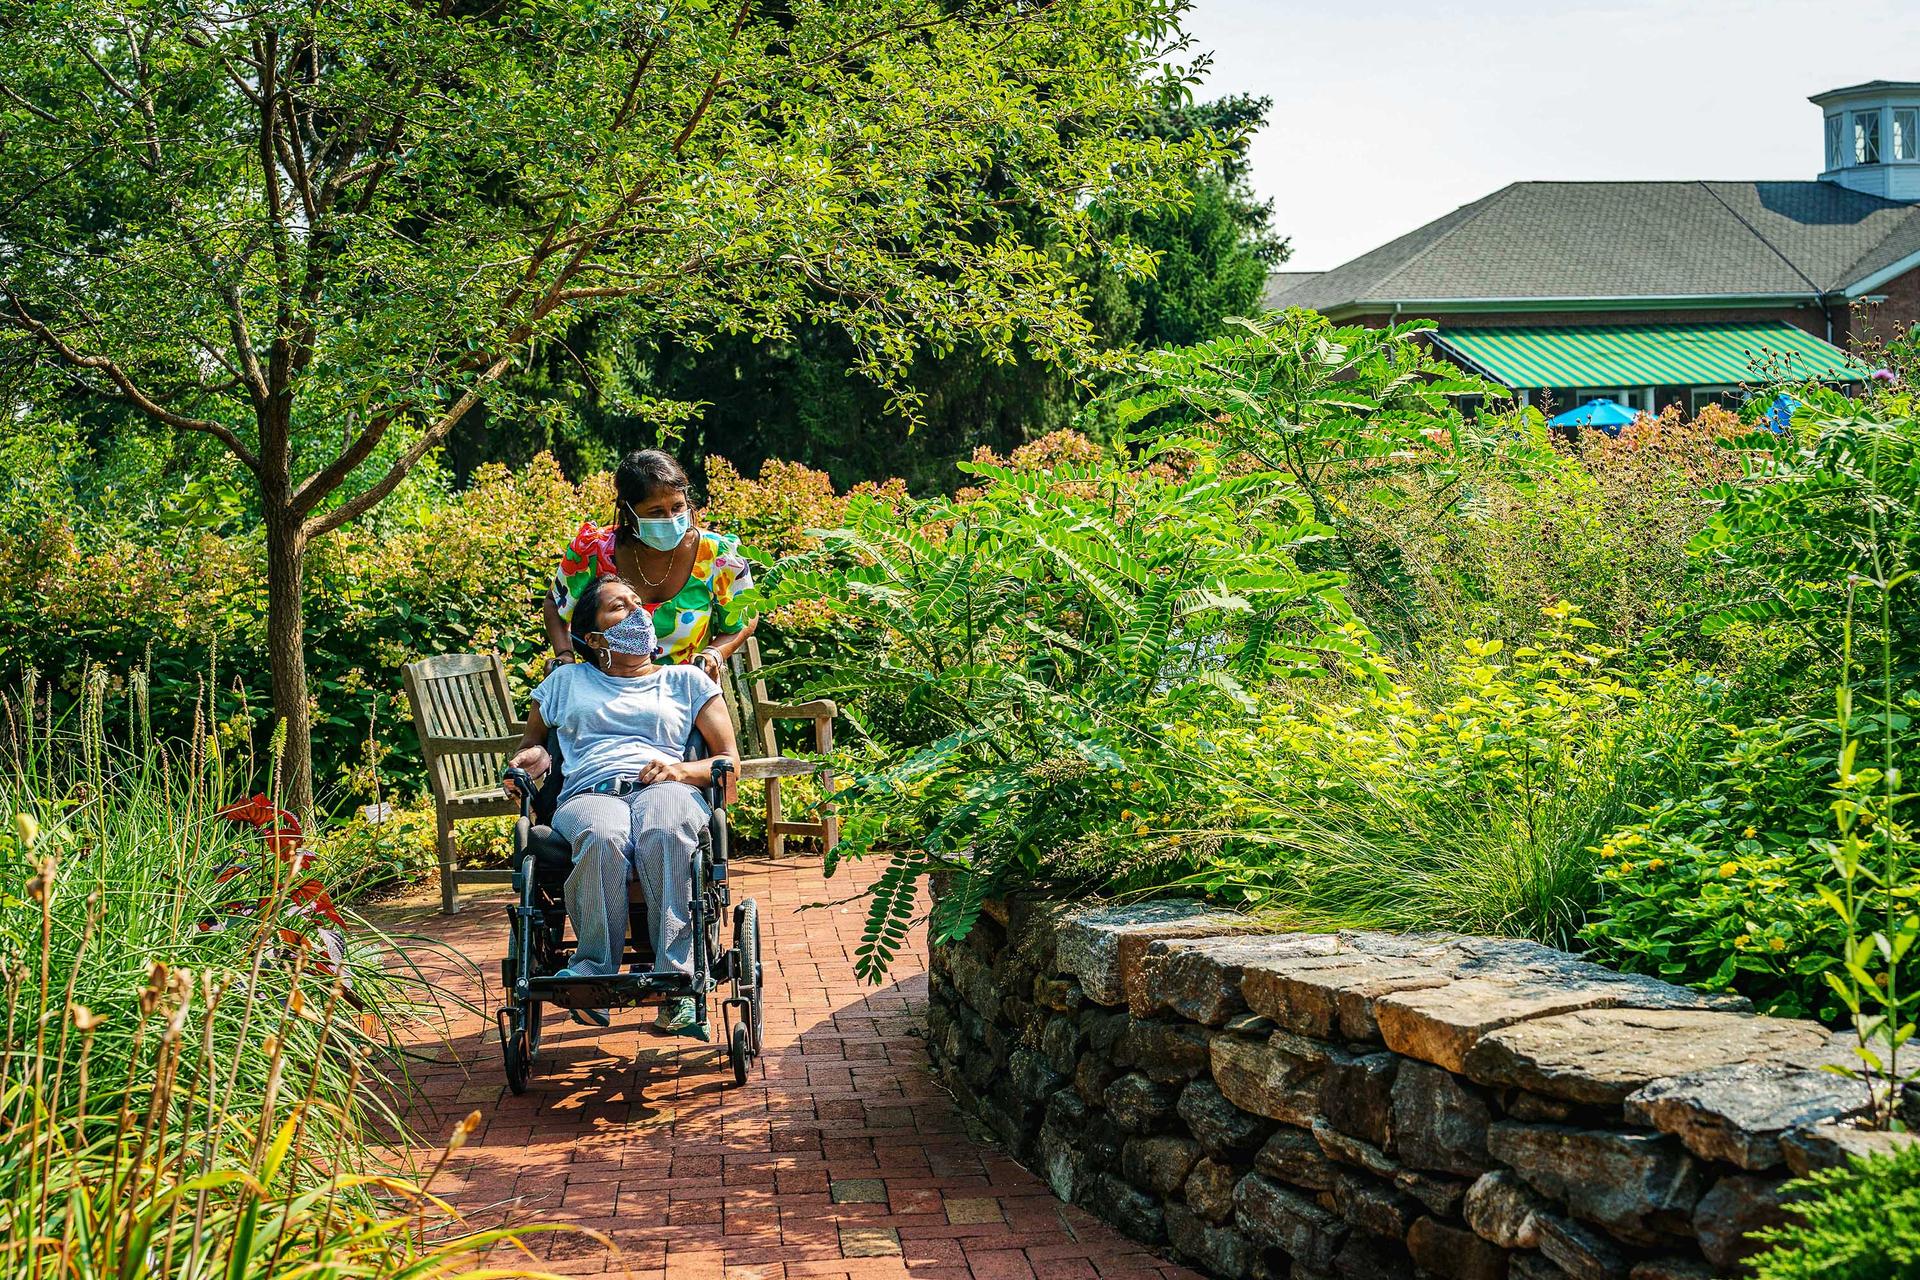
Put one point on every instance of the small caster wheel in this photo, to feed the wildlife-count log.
(737, 1053)
(517, 1045)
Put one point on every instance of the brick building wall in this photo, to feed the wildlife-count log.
(1885, 320)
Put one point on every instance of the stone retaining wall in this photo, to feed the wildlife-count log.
(1368, 1105)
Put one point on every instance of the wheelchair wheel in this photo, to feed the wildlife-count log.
(519, 1040)
(747, 972)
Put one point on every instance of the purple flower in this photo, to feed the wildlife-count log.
(1884, 375)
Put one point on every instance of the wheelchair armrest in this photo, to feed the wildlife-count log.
(818, 709)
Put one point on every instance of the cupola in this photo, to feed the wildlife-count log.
(1873, 137)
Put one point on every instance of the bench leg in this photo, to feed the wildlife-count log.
(776, 840)
(443, 842)
(829, 814)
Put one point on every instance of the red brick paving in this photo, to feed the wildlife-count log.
(648, 1142)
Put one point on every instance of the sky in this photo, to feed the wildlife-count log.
(1388, 113)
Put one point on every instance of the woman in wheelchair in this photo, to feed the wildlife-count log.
(629, 796)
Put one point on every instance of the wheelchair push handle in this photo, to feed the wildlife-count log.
(523, 783)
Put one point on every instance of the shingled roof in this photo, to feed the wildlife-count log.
(1543, 241)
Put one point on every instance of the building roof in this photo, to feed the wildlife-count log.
(1589, 242)
(1873, 87)
(1279, 282)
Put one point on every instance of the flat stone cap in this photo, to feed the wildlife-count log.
(1093, 944)
(1738, 1113)
(1602, 1054)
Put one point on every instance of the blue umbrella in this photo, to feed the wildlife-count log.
(1602, 413)
(1779, 417)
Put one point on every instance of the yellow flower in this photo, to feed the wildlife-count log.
(1776, 943)
(1126, 815)
(1749, 833)
(1728, 870)
(1742, 940)
(1654, 864)
(29, 828)
(1140, 830)
(1625, 867)
(1609, 850)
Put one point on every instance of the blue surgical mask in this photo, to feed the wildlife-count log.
(633, 634)
(662, 534)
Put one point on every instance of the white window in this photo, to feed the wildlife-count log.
(1866, 137)
(1906, 133)
(1836, 126)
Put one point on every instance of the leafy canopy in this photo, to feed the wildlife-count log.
(347, 222)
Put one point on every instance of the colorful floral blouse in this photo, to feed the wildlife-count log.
(710, 604)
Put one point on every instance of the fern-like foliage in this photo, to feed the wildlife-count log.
(1337, 414)
(889, 915)
(1035, 635)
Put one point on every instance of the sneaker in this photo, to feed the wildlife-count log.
(679, 1017)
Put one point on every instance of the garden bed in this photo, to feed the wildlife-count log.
(1363, 1104)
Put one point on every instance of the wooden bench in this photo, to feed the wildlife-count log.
(467, 727)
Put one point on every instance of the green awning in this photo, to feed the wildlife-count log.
(1650, 355)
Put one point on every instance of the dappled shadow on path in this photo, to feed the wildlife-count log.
(840, 1157)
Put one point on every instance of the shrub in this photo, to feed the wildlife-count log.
(1603, 524)
(1736, 879)
(1049, 630)
(1473, 805)
(1722, 886)
(382, 846)
(1856, 1222)
(1366, 424)
(186, 1092)
(776, 514)
(438, 574)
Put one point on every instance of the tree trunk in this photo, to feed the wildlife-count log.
(287, 653)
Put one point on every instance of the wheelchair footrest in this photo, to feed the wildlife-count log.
(618, 990)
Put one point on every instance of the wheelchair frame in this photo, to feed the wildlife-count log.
(538, 943)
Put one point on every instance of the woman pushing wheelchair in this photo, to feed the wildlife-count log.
(630, 801)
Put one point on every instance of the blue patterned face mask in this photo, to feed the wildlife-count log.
(633, 635)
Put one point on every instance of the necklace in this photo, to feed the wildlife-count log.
(661, 581)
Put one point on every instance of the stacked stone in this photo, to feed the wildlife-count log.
(1373, 1106)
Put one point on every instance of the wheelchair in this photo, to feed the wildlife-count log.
(538, 944)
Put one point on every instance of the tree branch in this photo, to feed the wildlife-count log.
(130, 392)
(366, 500)
(324, 481)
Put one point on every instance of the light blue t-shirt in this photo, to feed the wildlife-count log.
(609, 726)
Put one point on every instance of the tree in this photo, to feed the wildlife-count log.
(1213, 250)
(754, 400)
(321, 234)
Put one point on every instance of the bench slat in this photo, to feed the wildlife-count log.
(777, 767)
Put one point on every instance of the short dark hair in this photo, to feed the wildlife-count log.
(586, 616)
(645, 472)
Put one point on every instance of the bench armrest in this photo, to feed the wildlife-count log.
(818, 709)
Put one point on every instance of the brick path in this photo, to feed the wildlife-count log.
(840, 1158)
